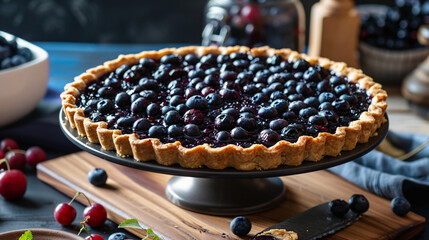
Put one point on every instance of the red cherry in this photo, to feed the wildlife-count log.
(251, 13)
(94, 237)
(97, 215)
(16, 160)
(35, 155)
(8, 144)
(65, 214)
(2, 165)
(12, 184)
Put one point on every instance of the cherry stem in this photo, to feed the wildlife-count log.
(77, 194)
(84, 227)
(4, 160)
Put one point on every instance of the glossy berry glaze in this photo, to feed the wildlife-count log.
(226, 99)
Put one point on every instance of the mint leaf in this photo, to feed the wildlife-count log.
(133, 223)
(26, 236)
(130, 223)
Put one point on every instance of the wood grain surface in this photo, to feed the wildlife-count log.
(132, 193)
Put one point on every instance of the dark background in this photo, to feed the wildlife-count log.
(112, 21)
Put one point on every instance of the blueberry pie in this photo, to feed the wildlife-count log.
(225, 107)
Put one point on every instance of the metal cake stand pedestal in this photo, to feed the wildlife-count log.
(227, 191)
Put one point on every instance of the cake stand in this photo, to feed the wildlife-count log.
(228, 191)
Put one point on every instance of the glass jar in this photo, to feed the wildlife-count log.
(276, 23)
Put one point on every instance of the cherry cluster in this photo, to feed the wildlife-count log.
(94, 215)
(13, 182)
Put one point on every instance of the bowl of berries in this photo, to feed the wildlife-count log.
(388, 46)
(24, 72)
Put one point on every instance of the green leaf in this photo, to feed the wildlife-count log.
(130, 223)
(133, 223)
(26, 236)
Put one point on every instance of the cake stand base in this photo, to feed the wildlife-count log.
(217, 196)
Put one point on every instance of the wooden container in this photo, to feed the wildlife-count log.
(334, 31)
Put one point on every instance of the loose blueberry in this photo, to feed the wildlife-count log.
(400, 206)
(97, 177)
(339, 207)
(117, 236)
(358, 203)
(240, 226)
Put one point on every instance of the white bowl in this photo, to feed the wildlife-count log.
(23, 86)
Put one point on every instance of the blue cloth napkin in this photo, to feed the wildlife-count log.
(387, 176)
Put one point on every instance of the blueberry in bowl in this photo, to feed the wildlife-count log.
(223, 107)
(24, 71)
(388, 47)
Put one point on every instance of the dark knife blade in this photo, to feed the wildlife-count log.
(315, 223)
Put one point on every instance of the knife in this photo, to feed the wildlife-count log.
(317, 222)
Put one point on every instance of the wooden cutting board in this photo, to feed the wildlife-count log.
(132, 193)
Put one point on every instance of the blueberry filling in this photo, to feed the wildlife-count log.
(226, 99)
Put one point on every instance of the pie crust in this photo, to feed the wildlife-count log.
(254, 157)
(280, 234)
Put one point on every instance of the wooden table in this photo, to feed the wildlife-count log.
(67, 61)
